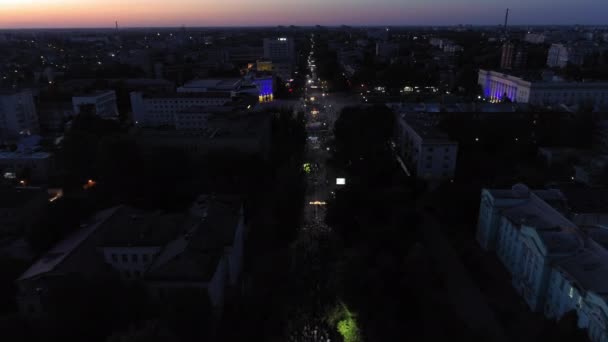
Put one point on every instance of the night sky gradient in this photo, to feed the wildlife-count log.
(137, 13)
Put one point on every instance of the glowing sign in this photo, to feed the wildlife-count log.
(283, 39)
(340, 181)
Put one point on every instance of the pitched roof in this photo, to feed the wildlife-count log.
(190, 265)
(57, 255)
(134, 227)
(561, 240)
(195, 255)
(589, 269)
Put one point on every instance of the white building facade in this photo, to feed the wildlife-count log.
(497, 86)
(35, 166)
(561, 55)
(161, 110)
(279, 49)
(430, 153)
(535, 38)
(104, 103)
(18, 115)
(555, 265)
(130, 261)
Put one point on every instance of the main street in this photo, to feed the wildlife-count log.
(321, 109)
(320, 117)
(306, 255)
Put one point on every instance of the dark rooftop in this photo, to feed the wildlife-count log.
(586, 200)
(190, 265)
(194, 256)
(133, 227)
(176, 95)
(17, 197)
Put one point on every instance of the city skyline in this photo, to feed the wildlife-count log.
(97, 13)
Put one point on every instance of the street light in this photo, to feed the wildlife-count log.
(89, 184)
(317, 203)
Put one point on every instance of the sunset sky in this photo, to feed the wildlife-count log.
(134, 13)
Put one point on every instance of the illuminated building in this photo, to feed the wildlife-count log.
(445, 44)
(152, 109)
(211, 85)
(279, 49)
(498, 86)
(561, 55)
(188, 107)
(557, 264)
(103, 102)
(265, 88)
(535, 38)
(424, 148)
(513, 56)
(36, 164)
(281, 52)
(262, 65)
(18, 115)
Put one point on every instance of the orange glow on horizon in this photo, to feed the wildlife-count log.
(103, 13)
(138, 13)
(90, 13)
(141, 13)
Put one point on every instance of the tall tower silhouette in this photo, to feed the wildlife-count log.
(506, 21)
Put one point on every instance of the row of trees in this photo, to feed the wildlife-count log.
(375, 258)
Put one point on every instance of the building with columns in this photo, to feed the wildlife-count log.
(497, 86)
(558, 261)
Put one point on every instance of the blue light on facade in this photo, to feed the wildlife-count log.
(265, 87)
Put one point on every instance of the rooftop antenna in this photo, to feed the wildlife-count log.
(506, 19)
(116, 25)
